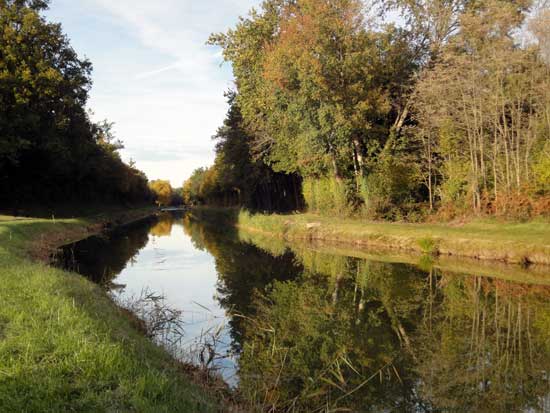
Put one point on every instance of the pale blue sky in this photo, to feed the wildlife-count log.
(154, 76)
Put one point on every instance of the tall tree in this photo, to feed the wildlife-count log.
(487, 135)
(50, 150)
(449, 107)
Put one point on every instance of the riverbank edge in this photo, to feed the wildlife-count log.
(33, 241)
(510, 243)
(64, 232)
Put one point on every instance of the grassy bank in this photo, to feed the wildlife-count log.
(64, 345)
(485, 239)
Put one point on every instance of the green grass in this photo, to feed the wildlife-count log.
(535, 274)
(65, 346)
(482, 239)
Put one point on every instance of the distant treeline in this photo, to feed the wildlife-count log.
(164, 194)
(237, 178)
(50, 150)
(447, 111)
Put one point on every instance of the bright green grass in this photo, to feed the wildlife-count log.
(65, 346)
(485, 239)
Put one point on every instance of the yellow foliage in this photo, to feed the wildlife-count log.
(163, 191)
(163, 228)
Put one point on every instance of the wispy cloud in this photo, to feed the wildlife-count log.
(154, 75)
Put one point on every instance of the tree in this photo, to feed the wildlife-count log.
(540, 27)
(315, 88)
(449, 108)
(191, 187)
(320, 71)
(163, 192)
(484, 102)
(50, 150)
(43, 84)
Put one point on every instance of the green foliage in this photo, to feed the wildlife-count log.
(428, 246)
(398, 110)
(388, 190)
(50, 150)
(484, 142)
(541, 169)
(318, 114)
(455, 186)
(237, 178)
(191, 187)
(327, 195)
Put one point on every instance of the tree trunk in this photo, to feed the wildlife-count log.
(398, 124)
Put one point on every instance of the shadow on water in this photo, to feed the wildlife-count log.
(323, 332)
(101, 258)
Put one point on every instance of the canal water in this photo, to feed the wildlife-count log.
(315, 328)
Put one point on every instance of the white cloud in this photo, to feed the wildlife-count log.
(180, 29)
(154, 75)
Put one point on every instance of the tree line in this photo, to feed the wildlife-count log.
(50, 149)
(445, 110)
(164, 194)
(237, 177)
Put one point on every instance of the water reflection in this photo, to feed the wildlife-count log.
(102, 258)
(360, 335)
(243, 270)
(322, 332)
(484, 346)
(163, 227)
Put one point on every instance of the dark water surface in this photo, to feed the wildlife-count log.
(309, 329)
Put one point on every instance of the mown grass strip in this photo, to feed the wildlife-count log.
(483, 239)
(65, 346)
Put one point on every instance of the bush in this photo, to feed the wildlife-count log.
(389, 191)
(521, 206)
(542, 171)
(328, 195)
(454, 188)
(428, 246)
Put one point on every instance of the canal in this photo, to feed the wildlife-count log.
(304, 327)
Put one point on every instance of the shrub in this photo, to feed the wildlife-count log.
(454, 188)
(521, 206)
(308, 191)
(542, 170)
(389, 191)
(328, 195)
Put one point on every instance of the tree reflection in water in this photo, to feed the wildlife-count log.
(319, 332)
(101, 258)
(163, 227)
(324, 332)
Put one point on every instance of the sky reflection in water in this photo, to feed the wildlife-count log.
(331, 330)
